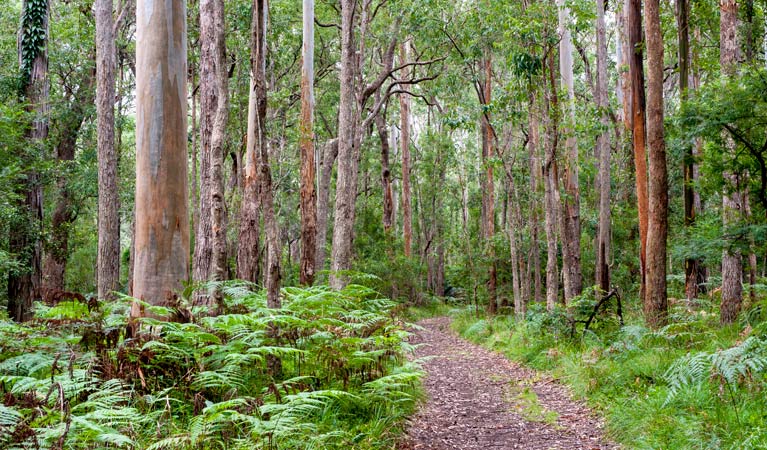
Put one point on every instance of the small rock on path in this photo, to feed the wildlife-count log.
(473, 401)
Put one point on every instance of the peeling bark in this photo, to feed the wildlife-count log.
(162, 198)
(306, 143)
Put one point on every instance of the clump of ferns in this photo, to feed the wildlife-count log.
(206, 383)
(730, 370)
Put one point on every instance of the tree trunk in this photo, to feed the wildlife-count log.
(386, 184)
(108, 264)
(636, 75)
(603, 153)
(535, 188)
(551, 191)
(404, 108)
(683, 38)
(571, 231)
(24, 240)
(162, 198)
(348, 155)
(329, 155)
(512, 223)
(488, 195)
(656, 300)
(57, 248)
(306, 142)
(625, 52)
(258, 146)
(732, 202)
(210, 250)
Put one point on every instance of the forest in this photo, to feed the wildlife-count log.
(383, 224)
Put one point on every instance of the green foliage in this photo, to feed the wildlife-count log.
(690, 384)
(70, 379)
(34, 32)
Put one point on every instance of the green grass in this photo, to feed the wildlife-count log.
(525, 402)
(690, 385)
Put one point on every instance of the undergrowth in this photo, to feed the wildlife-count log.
(326, 371)
(690, 385)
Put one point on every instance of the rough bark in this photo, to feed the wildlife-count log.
(636, 76)
(306, 142)
(329, 155)
(259, 144)
(488, 194)
(162, 197)
(683, 40)
(513, 222)
(571, 229)
(603, 153)
(108, 260)
(210, 250)
(551, 192)
(348, 155)
(404, 108)
(656, 300)
(536, 176)
(386, 181)
(732, 199)
(24, 240)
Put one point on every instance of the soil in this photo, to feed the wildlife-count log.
(477, 399)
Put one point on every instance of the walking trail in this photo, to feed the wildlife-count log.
(477, 399)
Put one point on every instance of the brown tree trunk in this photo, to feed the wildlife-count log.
(404, 108)
(732, 202)
(162, 197)
(488, 194)
(259, 144)
(25, 231)
(210, 250)
(306, 142)
(535, 188)
(108, 261)
(603, 152)
(683, 38)
(386, 184)
(513, 222)
(551, 191)
(656, 300)
(329, 155)
(348, 155)
(571, 229)
(636, 75)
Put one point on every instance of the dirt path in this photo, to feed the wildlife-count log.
(480, 400)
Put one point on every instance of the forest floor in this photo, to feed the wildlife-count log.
(477, 399)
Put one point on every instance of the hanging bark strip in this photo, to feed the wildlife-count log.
(162, 221)
(306, 143)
